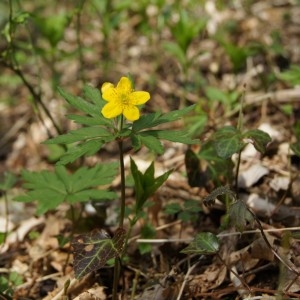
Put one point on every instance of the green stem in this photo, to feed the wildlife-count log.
(122, 170)
(237, 171)
(122, 212)
(240, 128)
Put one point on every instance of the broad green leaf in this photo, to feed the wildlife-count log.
(101, 174)
(91, 194)
(79, 103)
(50, 189)
(136, 142)
(147, 121)
(227, 141)
(90, 121)
(146, 184)
(87, 148)
(47, 199)
(177, 136)
(80, 134)
(93, 250)
(177, 114)
(205, 243)
(240, 215)
(156, 183)
(152, 143)
(64, 177)
(94, 95)
(260, 139)
(155, 119)
(138, 181)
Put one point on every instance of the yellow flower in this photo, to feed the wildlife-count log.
(122, 99)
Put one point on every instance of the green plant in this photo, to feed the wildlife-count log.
(103, 121)
(188, 211)
(217, 153)
(8, 283)
(187, 29)
(291, 76)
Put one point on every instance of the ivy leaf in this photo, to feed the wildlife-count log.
(93, 250)
(240, 215)
(227, 141)
(205, 243)
(50, 189)
(259, 138)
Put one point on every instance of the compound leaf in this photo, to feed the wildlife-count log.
(50, 189)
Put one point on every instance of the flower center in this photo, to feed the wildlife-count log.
(124, 99)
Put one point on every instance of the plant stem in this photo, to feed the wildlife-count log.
(240, 128)
(122, 212)
(122, 171)
(116, 279)
(237, 171)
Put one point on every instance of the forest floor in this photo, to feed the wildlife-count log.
(241, 52)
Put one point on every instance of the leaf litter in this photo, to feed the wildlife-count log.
(32, 248)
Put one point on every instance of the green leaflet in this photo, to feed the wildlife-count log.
(50, 189)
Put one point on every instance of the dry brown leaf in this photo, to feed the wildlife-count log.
(95, 293)
(212, 278)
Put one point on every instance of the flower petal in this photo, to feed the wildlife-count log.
(111, 110)
(124, 86)
(139, 97)
(131, 112)
(110, 94)
(105, 86)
